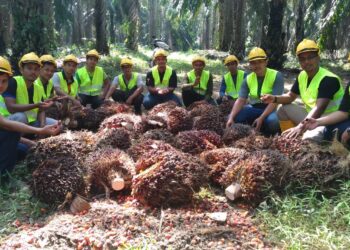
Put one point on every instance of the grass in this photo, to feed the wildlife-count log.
(308, 220)
(16, 203)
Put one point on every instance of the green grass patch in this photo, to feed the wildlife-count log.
(16, 202)
(308, 220)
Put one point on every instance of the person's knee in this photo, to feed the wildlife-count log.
(149, 102)
(19, 117)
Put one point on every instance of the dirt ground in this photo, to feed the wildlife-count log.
(122, 223)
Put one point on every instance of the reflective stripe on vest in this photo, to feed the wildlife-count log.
(309, 93)
(201, 88)
(131, 84)
(23, 98)
(90, 86)
(267, 85)
(231, 88)
(64, 86)
(49, 88)
(3, 109)
(166, 77)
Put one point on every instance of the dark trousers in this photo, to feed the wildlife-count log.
(341, 127)
(122, 96)
(95, 101)
(152, 100)
(8, 150)
(190, 96)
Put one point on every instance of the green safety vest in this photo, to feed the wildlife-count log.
(131, 84)
(64, 86)
(231, 88)
(309, 93)
(201, 88)
(165, 82)
(267, 85)
(23, 98)
(90, 86)
(3, 109)
(49, 88)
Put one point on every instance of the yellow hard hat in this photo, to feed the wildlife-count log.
(5, 66)
(307, 45)
(160, 52)
(70, 58)
(198, 59)
(257, 54)
(126, 61)
(47, 59)
(93, 53)
(29, 58)
(230, 58)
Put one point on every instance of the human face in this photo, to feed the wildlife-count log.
(232, 67)
(4, 78)
(258, 67)
(198, 66)
(69, 68)
(309, 61)
(127, 69)
(91, 62)
(30, 71)
(161, 61)
(47, 71)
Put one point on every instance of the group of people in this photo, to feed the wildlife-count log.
(256, 95)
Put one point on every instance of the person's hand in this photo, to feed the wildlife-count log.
(310, 123)
(163, 91)
(45, 104)
(229, 122)
(267, 98)
(51, 129)
(294, 132)
(258, 123)
(197, 81)
(345, 137)
(129, 101)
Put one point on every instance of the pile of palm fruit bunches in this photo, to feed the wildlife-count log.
(164, 157)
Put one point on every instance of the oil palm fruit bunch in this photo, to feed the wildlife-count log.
(236, 132)
(160, 135)
(168, 179)
(73, 145)
(257, 174)
(109, 108)
(197, 141)
(130, 122)
(109, 169)
(58, 180)
(254, 142)
(144, 146)
(219, 159)
(113, 137)
(225, 108)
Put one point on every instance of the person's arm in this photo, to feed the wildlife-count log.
(209, 92)
(13, 107)
(237, 107)
(42, 118)
(283, 99)
(137, 92)
(105, 87)
(112, 87)
(172, 83)
(25, 129)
